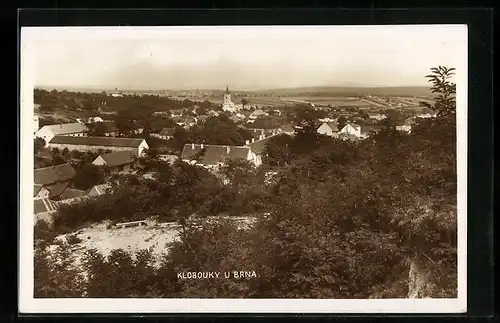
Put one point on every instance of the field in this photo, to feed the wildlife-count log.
(334, 101)
(131, 239)
(154, 235)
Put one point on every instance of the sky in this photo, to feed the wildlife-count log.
(243, 58)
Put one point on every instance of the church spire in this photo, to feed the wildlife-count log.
(227, 89)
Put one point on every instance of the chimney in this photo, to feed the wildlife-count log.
(247, 142)
(228, 149)
(192, 146)
(253, 139)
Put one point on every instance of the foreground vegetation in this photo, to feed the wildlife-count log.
(339, 219)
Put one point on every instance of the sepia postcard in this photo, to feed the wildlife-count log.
(262, 169)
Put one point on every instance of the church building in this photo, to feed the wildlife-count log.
(229, 105)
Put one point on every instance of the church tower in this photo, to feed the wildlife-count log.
(228, 105)
(227, 96)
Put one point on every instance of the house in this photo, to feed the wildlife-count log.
(234, 118)
(240, 115)
(43, 209)
(40, 192)
(351, 129)
(117, 160)
(185, 121)
(258, 113)
(377, 116)
(213, 156)
(71, 195)
(404, 128)
(165, 134)
(136, 145)
(288, 129)
(95, 119)
(50, 182)
(98, 190)
(168, 158)
(176, 113)
(116, 94)
(67, 129)
(328, 129)
(258, 147)
(161, 113)
(426, 115)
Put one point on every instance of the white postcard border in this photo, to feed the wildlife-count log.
(28, 304)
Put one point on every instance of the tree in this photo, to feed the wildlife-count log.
(444, 88)
(201, 110)
(89, 105)
(55, 273)
(87, 176)
(237, 172)
(96, 129)
(277, 151)
(341, 122)
(38, 144)
(244, 102)
(180, 138)
(124, 122)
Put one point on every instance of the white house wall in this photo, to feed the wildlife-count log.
(99, 161)
(92, 148)
(43, 193)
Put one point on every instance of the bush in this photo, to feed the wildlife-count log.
(43, 232)
(73, 239)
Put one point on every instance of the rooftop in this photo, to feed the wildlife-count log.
(118, 158)
(66, 128)
(333, 126)
(259, 146)
(70, 193)
(287, 128)
(53, 174)
(99, 189)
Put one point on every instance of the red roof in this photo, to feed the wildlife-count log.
(53, 174)
(70, 193)
(57, 189)
(118, 158)
(259, 146)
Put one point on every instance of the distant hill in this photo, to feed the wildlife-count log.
(354, 90)
(317, 91)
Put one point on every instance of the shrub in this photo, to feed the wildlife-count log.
(73, 239)
(43, 232)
